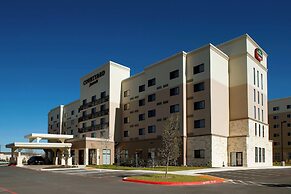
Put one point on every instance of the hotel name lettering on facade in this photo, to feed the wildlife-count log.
(94, 79)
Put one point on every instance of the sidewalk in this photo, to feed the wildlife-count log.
(208, 170)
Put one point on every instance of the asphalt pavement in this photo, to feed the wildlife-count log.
(16, 180)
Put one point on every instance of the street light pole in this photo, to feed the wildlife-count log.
(282, 122)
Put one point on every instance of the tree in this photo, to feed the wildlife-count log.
(171, 141)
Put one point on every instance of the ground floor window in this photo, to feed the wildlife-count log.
(256, 154)
(199, 153)
(289, 156)
(277, 156)
(260, 155)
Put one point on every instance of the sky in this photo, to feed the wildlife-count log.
(46, 46)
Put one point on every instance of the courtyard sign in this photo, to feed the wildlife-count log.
(93, 79)
(259, 54)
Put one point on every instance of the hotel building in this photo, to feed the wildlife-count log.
(280, 128)
(219, 93)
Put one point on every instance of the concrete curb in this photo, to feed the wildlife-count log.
(126, 179)
(60, 169)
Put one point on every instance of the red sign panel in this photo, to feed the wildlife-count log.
(259, 54)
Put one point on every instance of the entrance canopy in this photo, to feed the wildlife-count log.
(57, 142)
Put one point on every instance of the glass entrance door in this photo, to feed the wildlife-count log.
(236, 158)
(81, 157)
(106, 156)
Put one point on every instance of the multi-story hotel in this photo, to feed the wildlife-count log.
(280, 128)
(218, 92)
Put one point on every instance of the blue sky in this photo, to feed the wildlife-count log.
(46, 46)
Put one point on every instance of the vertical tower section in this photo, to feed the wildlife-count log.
(55, 120)
(248, 144)
(207, 107)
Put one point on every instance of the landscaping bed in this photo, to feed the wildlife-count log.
(158, 168)
(172, 179)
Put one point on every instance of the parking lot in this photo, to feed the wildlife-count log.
(16, 180)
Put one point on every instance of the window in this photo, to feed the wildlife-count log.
(288, 124)
(263, 131)
(93, 98)
(289, 143)
(258, 79)
(258, 97)
(125, 134)
(141, 117)
(93, 135)
(141, 131)
(256, 129)
(276, 143)
(275, 126)
(262, 96)
(288, 106)
(72, 112)
(126, 93)
(289, 155)
(126, 120)
(263, 155)
(199, 87)
(174, 108)
(141, 88)
(174, 74)
(93, 123)
(84, 101)
(57, 116)
(260, 154)
(199, 123)
(262, 115)
(84, 125)
(259, 130)
(199, 153)
(259, 116)
(126, 106)
(102, 107)
(255, 110)
(93, 110)
(103, 94)
(84, 113)
(151, 97)
(256, 154)
(289, 116)
(262, 83)
(102, 121)
(141, 102)
(254, 95)
(52, 118)
(151, 129)
(254, 76)
(198, 69)
(151, 113)
(151, 82)
(174, 91)
(276, 108)
(199, 105)
(276, 135)
(275, 117)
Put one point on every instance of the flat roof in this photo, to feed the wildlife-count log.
(38, 145)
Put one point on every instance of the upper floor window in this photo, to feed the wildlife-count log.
(141, 102)
(174, 91)
(93, 123)
(276, 108)
(174, 74)
(141, 131)
(151, 97)
(93, 110)
(151, 129)
(52, 118)
(72, 112)
(103, 94)
(289, 116)
(151, 82)
(93, 98)
(262, 83)
(254, 76)
(199, 105)
(126, 93)
(275, 117)
(258, 78)
(198, 87)
(262, 96)
(126, 106)
(174, 108)
(126, 120)
(102, 107)
(198, 69)
(84, 101)
(254, 95)
(199, 123)
(199, 153)
(151, 113)
(57, 116)
(141, 88)
(141, 117)
(288, 106)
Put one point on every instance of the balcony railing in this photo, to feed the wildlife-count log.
(94, 115)
(94, 128)
(94, 103)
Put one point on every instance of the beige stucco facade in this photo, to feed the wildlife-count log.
(218, 92)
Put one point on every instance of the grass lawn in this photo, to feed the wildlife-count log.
(279, 164)
(160, 168)
(173, 178)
